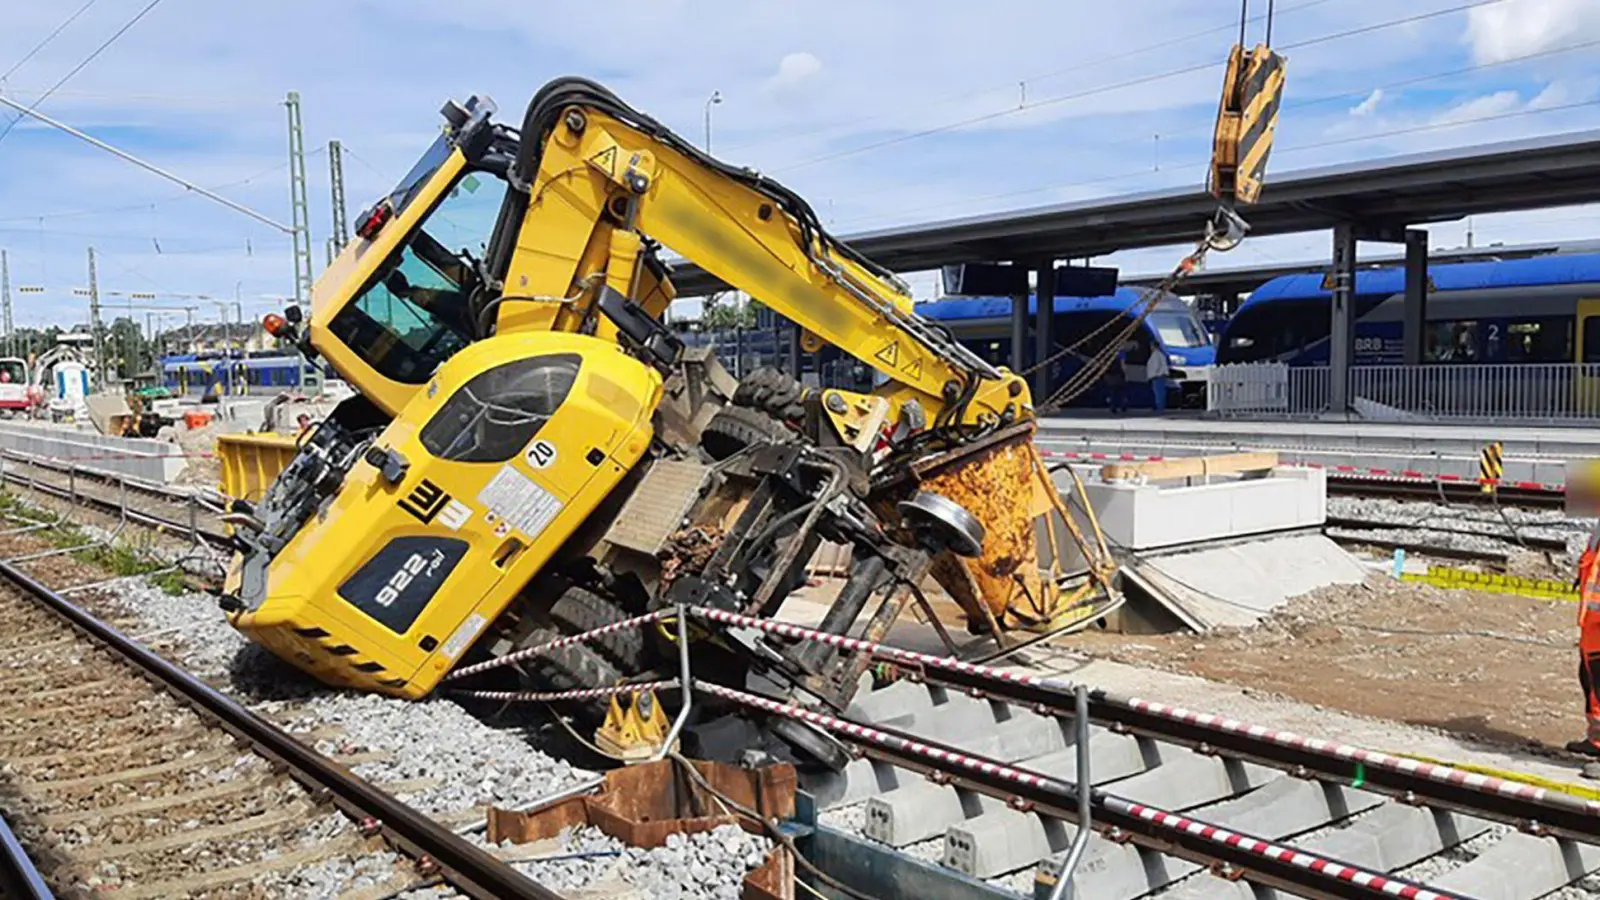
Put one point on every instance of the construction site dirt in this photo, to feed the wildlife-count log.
(1489, 667)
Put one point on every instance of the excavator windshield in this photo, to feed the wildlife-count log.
(412, 314)
(394, 306)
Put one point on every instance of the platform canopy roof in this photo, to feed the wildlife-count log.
(1536, 173)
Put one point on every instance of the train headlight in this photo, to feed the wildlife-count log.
(1176, 360)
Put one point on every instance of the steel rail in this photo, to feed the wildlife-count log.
(1256, 860)
(1531, 808)
(19, 879)
(135, 515)
(464, 865)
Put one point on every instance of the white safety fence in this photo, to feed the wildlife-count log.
(1543, 392)
(1251, 389)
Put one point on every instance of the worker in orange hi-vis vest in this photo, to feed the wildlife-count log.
(1589, 644)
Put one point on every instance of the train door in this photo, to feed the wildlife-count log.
(1586, 382)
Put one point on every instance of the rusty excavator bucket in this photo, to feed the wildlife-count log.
(1005, 484)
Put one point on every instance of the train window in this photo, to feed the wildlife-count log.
(1454, 342)
(1591, 339)
(1544, 340)
(1178, 329)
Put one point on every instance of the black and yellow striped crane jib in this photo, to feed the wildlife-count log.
(1247, 123)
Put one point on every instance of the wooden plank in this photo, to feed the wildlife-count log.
(184, 739)
(96, 852)
(155, 804)
(205, 881)
(27, 701)
(1191, 466)
(176, 765)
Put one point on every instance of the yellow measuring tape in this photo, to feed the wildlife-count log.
(1538, 588)
(1549, 784)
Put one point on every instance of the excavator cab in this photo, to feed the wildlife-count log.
(394, 306)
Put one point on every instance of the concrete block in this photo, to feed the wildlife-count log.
(148, 460)
(922, 810)
(1394, 836)
(1111, 871)
(1187, 779)
(1286, 806)
(1003, 840)
(1029, 735)
(1522, 867)
(890, 704)
(860, 779)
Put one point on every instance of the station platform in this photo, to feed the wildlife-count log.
(1532, 454)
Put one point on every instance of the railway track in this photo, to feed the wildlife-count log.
(170, 511)
(125, 776)
(973, 771)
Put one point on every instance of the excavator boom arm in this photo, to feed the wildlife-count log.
(602, 180)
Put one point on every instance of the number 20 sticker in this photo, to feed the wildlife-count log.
(541, 454)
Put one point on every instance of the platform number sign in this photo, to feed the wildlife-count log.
(541, 454)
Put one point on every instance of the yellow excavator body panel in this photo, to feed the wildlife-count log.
(462, 499)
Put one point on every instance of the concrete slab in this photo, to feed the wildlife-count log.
(1288, 806)
(1522, 867)
(860, 779)
(1186, 779)
(153, 461)
(1238, 584)
(1394, 836)
(1153, 516)
(1111, 871)
(922, 810)
(1005, 840)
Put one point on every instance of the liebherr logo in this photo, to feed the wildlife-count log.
(416, 565)
(425, 501)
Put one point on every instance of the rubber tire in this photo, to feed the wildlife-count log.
(771, 391)
(734, 428)
(579, 610)
(571, 668)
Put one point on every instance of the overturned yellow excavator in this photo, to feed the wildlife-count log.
(532, 452)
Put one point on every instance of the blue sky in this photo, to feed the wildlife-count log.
(830, 97)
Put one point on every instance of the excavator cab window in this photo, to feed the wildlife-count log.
(493, 416)
(413, 314)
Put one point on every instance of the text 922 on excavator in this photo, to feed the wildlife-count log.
(531, 452)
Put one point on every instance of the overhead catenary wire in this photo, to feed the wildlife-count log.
(1032, 79)
(1300, 104)
(86, 60)
(123, 154)
(1132, 82)
(47, 39)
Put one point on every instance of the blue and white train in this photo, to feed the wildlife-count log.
(1543, 309)
(267, 375)
(984, 325)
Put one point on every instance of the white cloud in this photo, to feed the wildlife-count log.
(793, 70)
(1501, 31)
(1365, 107)
(1481, 107)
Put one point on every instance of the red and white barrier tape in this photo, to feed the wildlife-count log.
(1161, 818)
(1333, 470)
(554, 696)
(1371, 758)
(531, 652)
